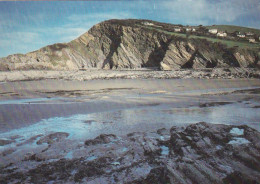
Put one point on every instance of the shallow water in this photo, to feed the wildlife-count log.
(163, 115)
(24, 101)
(84, 125)
(56, 100)
(148, 118)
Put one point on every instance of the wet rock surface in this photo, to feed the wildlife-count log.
(5, 142)
(49, 139)
(198, 153)
(102, 139)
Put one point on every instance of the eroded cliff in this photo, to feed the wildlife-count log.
(117, 44)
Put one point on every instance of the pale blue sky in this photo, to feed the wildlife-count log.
(28, 26)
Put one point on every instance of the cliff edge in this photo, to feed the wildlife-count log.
(119, 44)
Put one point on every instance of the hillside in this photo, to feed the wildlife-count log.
(118, 44)
(231, 29)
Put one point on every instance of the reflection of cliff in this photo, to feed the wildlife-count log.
(117, 44)
(122, 117)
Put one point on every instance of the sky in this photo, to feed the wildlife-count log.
(28, 26)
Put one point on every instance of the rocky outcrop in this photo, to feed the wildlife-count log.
(247, 60)
(200, 153)
(117, 44)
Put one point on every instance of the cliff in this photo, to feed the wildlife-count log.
(117, 44)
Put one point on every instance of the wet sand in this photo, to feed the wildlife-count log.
(45, 88)
(37, 100)
(50, 123)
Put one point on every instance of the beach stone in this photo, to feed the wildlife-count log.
(54, 137)
(101, 139)
(4, 142)
(199, 153)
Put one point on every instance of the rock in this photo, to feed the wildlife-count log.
(52, 138)
(119, 44)
(199, 153)
(101, 139)
(157, 175)
(246, 59)
(237, 177)
(7, 152)
(165, 67)
(4, 142)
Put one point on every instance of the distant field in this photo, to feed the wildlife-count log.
(228, 43)
(231, 29)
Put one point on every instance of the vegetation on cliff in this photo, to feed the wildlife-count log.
(117, 44)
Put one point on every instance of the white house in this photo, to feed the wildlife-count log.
(213, 31)
(251, 40)
(241, 35)
(193, 30)
(221, 34)
(148, 23)
(188, 29)
(177, 29)
(249, 34)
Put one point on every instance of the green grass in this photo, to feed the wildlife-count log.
(228, 43)
(231, 29)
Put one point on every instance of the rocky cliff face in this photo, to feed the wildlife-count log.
(117, 44)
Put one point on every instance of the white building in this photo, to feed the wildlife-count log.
(213, 31)
(249, 34)
(177, 29)
(251, 40)
(221, 34)
(241, 35)
(188, 29)
(193, 30)
(148, 23)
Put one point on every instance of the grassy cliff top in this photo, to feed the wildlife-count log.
(231, 29)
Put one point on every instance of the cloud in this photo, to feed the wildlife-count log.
(99, 16)
(40, 36)
(78, 24)
(88, 20)
(14, 39)
(208, 12)
(18, 42)
(26, 30)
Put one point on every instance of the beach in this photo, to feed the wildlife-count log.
(47, 121)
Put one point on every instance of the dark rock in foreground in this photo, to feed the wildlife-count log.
(200, 153)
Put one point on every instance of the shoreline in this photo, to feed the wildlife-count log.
(27, 102)
(99, 130)
(92, 74)
(50, 88)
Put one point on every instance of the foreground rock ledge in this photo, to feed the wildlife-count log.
(200, 153)
(90, 74)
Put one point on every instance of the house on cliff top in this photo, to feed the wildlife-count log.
(252, 40)
(249, 34)
(147, 23)
(241, 35)
(222, 34)
(213, 31)
(177, 29)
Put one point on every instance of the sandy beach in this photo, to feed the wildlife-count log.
(59, 122)
(130, 92)
(27, 102)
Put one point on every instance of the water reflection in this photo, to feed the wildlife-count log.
(149, 118)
